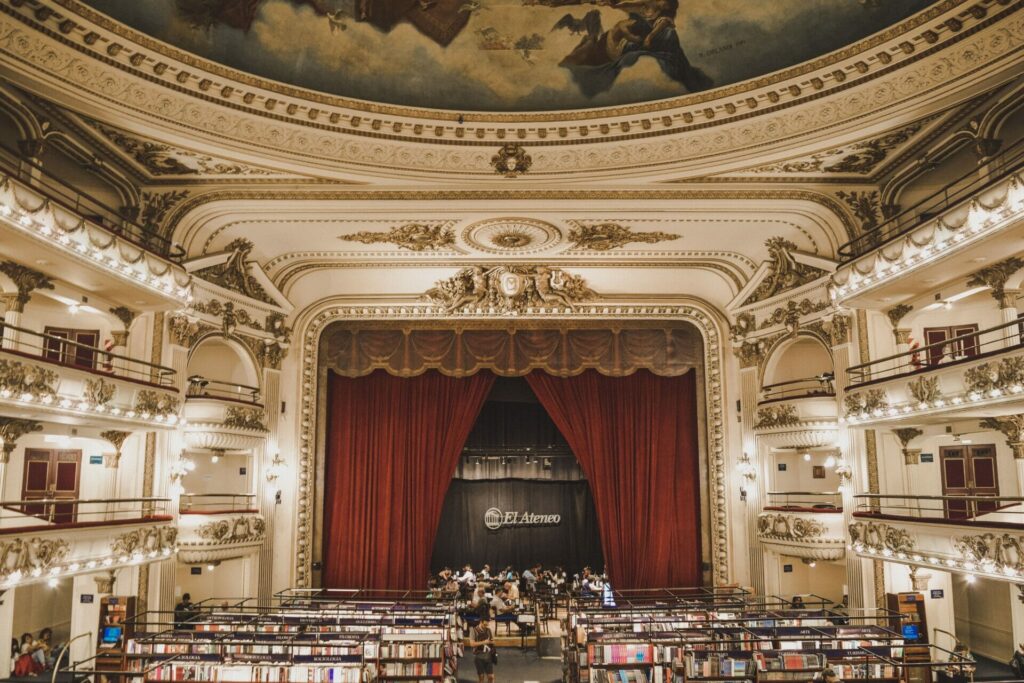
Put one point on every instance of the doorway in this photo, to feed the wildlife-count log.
(969, 471)
(51, 475)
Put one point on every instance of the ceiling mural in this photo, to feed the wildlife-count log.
(509, 55)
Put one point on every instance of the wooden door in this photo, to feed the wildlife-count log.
(962, 348)
(969, 471)
(72, 354)
(51, 475)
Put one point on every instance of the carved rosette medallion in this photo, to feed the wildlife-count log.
(511, 236)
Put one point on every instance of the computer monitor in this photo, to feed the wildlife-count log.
(911, 632)
(111, 635)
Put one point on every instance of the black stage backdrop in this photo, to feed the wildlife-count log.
(463, 538)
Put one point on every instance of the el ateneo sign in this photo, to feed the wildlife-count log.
(495, 519)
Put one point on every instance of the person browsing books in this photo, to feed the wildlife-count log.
(828, 676)
(482, 642)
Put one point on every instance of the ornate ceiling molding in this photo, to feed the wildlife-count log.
(82, 50)
(316, 318)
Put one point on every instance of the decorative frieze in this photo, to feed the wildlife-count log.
(607, 236)
(783, 527)
(99, 392)
(245, 418)
(870, 402)
(145, 541)
(925, 389)
(509, 289)
(883, 538)
(992, 552)
(156, 404)
(511, 160)
(20, 557)
(790, 314)
(772, 417)
(241, 529)
(26, 381)
(411, 236)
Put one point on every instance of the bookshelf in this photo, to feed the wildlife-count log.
(114, 632)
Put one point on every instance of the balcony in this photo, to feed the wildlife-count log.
(801, 524)
(77, 237)
(941, 238)
(219, 526)
(975, 375)
(223, 416)
(966, 534)
(47, 539)
(46, 377)
(798, 413)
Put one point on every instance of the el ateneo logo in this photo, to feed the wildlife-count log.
(495, 519)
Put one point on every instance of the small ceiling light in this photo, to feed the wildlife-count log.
(807, 457)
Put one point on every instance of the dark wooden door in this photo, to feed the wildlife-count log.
(967, 347)
(81, 353)
(969, 471)
(51, 475)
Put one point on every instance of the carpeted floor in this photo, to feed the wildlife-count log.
(991, 670)
(516, 666)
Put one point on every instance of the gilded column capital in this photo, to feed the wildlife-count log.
(1012, 427)
(996, 276)
(898, 313)
(902, 335)
(12, 429)
(26, 280)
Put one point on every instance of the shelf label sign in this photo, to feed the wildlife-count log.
(495, 519)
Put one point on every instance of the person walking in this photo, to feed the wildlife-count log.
(482, 642)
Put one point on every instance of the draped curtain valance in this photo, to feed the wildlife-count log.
(666, 349)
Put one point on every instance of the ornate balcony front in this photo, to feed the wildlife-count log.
(43, 377)
(43, 540)
(983, 536)
(805, 525)
(976, 375)
(223, 416)
(84, 242)
(798, 414)
(218, 527)
(941, 238)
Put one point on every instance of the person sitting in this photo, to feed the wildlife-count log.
(451, 589)
(828, 675)
(485, 573)
(530, 579)
(26, 664)
(511, 589)
(798, 602)
(43, 648)
(479, 598)
(1017, 661)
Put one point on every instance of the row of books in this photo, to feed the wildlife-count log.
(258, 674)
(619, 676)
(620, 654)
(402, 669)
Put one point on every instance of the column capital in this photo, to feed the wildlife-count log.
(12, 429)
(902, 335)
(898, 313)
(1012, 427)
(996, 276)
(105, 583)
(26, 280)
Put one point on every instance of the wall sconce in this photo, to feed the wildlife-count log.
(181, 467)
(275, 471)
(745, 468)
(844, 472)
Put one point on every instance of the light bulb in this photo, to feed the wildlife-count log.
(807, 457)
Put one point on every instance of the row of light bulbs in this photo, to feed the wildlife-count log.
(86, 407)
(923, 406)
(54, 573)
(985, 567)
(978, 218)
(26, 221)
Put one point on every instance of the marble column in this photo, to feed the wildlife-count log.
(268, 498)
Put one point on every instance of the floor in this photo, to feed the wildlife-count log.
(991, 670)
(516, 666)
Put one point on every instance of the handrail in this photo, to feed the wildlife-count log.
(1000, 166)
(83, 501)
(818, 385)
(56, 511)
(204, 387)
(60, 654)
(60, 192)
(817, 501)
(951, 509)
(919, 359)
(150, 373)
(237, 502)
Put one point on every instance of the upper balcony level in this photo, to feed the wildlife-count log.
(803, 524)
(217, 526)
(940, 239)
(798, 413)
(975, 375)
(966, 534)
(49, 377)
(45, 539)
(72, 236)
(223, 415)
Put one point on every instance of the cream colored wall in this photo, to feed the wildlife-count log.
(983, 617)
(222, 477)
(218, 360)
(799, 474)
(37, 606)
(827, 579)
(230, 579)
(803, 358)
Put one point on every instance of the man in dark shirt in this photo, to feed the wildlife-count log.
(184, 611)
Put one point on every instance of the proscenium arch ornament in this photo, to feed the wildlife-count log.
(310, 428)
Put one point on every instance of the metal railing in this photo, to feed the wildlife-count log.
(204, 387)
(214, 503)
(963, 188)
(71, 354)
(34, 512)
(36, 176)
(960, 349)
(819, 385)
(815, 501)
(1000, 510)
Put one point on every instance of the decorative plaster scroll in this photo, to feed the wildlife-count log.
(509, 289)
(992, 552)
(608, 236)
(784, 272)
(144, 541)
(771, 417)
(234, 273)
(881, 537)
(241, 529)
(33, 556)
(245, 418)
(411, 236)
(17, 379)
(783, 527)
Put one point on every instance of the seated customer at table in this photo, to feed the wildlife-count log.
(511, 590)
(479, 598)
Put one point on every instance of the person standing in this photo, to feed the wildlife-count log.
(482, 642)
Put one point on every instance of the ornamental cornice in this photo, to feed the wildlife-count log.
(80, 48)
(317, 317)
(244, 529)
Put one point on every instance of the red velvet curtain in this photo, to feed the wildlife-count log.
(392, 447)
(636, 439)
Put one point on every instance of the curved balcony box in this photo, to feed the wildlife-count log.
(33, 388)
(799, 422)
(989, 545)
(987, 385)
(207, 537)
(223, 424)
(32, 550)
(85, 253)
(815, 535)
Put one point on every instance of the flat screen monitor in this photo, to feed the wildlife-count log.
(911, 632)
(111, 635)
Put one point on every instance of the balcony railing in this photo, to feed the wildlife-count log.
(72, 354)
(828, 501)
(964, 348)
(203, 387)
(35, 513)
(961, 189)
(997, 511)
(35, 175)
(819, 385)
(216, 503)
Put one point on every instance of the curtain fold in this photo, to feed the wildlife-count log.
(392, 447)
(636, 439)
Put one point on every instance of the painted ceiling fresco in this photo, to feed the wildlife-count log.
(509, 55)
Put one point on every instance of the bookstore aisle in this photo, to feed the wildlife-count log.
(516, 665)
